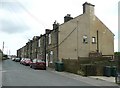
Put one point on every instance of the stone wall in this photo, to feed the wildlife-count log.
(87, 66)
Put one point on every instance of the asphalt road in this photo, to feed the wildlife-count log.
(15, 74)
(0, 73)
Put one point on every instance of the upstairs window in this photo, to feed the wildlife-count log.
(85, 39)
(93, 40)
(51, 56)
(49, 38)
(39, 43)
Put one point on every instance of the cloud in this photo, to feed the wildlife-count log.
(11, 6)
(11, 22)
(11, 27)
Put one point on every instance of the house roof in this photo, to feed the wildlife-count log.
(95, 16)
(71, 19)
(105, 25)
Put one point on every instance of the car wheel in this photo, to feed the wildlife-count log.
(34, 67)
(44, 68)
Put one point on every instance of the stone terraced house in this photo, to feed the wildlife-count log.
(83, 36)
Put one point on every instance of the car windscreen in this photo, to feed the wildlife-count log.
(40, 61)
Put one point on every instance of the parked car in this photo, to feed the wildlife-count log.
(13, 59)
(22, 60)
(17, 59)
(38, 64)
(27, 61)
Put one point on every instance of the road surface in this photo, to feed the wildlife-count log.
(15, 74)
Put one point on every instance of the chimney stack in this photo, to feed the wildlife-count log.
(55, 25)
(47, 31)
(67, 18)
(88, 8)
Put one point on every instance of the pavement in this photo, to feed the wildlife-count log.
(109, 79)
(102, 78)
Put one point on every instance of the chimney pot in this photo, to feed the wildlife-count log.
(55, 25)
(67, 18)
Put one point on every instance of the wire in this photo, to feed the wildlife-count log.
(63, 40)
(12, 14)
(35, 18)
(60, 43)
(12, 11)
(67, 37)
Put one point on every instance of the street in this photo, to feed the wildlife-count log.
(0, 73)
(15, 74)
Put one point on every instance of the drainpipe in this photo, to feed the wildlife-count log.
(45, 49)
(97, 42)
(57, 45)
(77, 40)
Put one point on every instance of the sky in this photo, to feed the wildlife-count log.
(20, 20)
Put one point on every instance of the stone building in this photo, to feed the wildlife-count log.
(34, 47)
(19, 53)
(83, 36)
(30, 49)
(51, 44)
(41, 47)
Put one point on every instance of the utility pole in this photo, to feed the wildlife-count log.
(9, 52)
(2, 49)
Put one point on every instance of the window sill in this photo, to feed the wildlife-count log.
(93, 42)
(85, 42)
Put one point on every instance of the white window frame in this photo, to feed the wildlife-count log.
(94, 40)
(49, 38)
(85, 39)
(39, 42)
(47, 60)
(51, 56)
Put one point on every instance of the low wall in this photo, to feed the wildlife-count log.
(87, 66)
(51, 65)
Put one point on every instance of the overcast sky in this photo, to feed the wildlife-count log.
(20, 20)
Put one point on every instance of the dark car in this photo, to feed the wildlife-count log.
(38, 64)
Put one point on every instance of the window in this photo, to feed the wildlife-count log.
(93, 40)
(34, 61)
(49, 38)
(51, 56)
(39, 43)
(85, 39)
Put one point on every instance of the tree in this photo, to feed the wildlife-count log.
(117, 54)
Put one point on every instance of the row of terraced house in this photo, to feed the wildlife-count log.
(83, 36)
